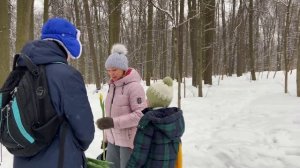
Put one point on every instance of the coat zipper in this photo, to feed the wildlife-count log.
(112, 100)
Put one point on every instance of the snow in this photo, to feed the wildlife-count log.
(238, 123)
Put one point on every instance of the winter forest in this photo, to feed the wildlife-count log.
(179, 38)
(235, 63)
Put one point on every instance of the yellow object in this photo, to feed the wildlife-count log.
(178, 163)
(101, 97)
(103, 115)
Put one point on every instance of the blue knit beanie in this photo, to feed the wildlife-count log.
(117, 58)
(65, 33)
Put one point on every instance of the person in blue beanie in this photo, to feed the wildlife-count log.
(60, 42)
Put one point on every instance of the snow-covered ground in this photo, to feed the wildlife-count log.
(237, 124)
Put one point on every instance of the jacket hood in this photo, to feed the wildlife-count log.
(132, 76)
(43, 52)
(169, 121)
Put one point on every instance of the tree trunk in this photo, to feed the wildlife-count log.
(99, 44)
(31, 26)
(209, 29)
(199, 45)
(165, 50)
(114, 16)
(180, 50)
(57, 8)
(141, 38)
(278, 58)
(187, 45)
(231, 41)
(92, 47)
(46, 10)
(225, 62)
(4, 41)
(251, 55)
(81, 62)
(240, 67)
(298, 61)
(24, 10)
(193, 40)
(149, 60)
(286, 34)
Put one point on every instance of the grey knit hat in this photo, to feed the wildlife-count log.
(117, 58)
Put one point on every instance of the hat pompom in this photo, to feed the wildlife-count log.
(117, 58)
(119, 48)
(168, 81)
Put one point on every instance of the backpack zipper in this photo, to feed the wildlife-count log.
(1, 109)
(33, 96)
(7, 125)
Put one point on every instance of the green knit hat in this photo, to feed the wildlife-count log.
(160, 94)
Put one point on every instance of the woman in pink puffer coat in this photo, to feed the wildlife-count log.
(124, 102)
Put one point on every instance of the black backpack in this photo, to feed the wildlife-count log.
(28, 121)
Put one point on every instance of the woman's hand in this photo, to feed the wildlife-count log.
(105, 123)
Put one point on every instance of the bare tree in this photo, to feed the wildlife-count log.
(209, 35)
(4, 41)
(31, 23)
(192, 5)
(57, 8)
(99, 44)
(298, 61)
(149, 43)
(241, 47)
(251, 55)
(286, 34)
(231, 41)
(114, 15)
(46, 10)
(200, 44)
(225, 62)
(81, 62)
(91, 40)
(24, 10)
(180, 50)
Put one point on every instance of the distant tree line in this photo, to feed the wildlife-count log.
(179, 38)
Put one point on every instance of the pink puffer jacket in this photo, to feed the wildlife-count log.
(124, 102)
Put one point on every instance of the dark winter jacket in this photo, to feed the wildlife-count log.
(157, 139)
(69, 97)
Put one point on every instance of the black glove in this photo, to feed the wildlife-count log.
(105, 123)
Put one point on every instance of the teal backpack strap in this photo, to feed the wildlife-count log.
(57, 63)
